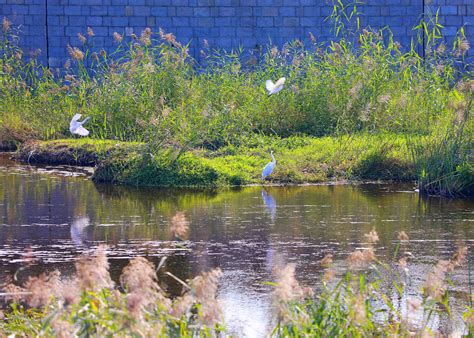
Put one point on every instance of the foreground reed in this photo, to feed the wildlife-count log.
(371, 298)
(89, 303)
(366, 298)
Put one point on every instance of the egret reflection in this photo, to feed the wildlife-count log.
(270, 204)
(78, 230)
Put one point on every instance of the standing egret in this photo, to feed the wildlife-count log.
(274, 88)
(269, 167)
(76, 127)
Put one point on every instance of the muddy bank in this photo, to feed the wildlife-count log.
(6, 146)
(71, 152)
(37, 152)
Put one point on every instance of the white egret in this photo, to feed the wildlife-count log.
(269, 167)
(76, 127)
(274, 88)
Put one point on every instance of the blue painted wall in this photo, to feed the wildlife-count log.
(51, 25)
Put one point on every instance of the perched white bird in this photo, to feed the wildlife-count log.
(76, 127)
(269, 167)
(274, 88)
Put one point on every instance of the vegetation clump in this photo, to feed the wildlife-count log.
(301, 159)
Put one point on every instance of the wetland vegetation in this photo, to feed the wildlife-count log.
(212, 123)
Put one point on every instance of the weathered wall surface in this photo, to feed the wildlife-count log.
(51, 25)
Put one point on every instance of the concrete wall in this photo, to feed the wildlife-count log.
(51, 25)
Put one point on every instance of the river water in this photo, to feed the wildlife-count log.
(55, 214)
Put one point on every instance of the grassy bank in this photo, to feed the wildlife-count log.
(151, 91)
(299, 160)
(359, 296)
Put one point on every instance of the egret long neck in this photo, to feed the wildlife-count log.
(273, 158)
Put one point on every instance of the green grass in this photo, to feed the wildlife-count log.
(149, 90)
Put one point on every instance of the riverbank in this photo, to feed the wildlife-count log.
(299, 160)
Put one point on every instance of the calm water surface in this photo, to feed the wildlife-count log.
(55, 215)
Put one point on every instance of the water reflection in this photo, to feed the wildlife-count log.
(250, 318)
(79, 230)
(60, 217)
(270, 203)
